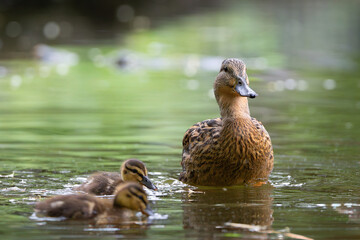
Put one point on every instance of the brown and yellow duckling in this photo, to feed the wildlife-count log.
(231, 150)
(129, 197)
(105, 183)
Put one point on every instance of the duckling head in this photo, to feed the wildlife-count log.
(132, 196)
(134, 170)
(232, 80)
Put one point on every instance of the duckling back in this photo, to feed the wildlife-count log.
(73, 206)
(105, 183)
(101, 183)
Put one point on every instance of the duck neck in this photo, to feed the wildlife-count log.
(233, 108)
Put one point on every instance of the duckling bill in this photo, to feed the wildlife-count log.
(130, 197)
(231, 150)
(105, 183)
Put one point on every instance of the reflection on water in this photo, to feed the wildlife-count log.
(206, 210)
(352, 210)
(135, 227)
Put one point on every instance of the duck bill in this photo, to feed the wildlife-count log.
(147, 183)
(147, 211)
(243, 89)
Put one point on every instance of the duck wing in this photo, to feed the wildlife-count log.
(198, 144)
(101, 183)
(264, 148)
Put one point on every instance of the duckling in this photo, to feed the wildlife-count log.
(129, 197)
(104, 183)
(234, 149)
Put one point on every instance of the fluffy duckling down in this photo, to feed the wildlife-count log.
(130, 197)
(105, 183)
(231, 150)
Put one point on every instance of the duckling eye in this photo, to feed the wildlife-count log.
(128, 195)
(134, 171)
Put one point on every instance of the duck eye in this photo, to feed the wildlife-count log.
(240, 83)
(132, 170)
(226, 69)
(128, 195)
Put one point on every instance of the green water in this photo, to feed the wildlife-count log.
(60, 123)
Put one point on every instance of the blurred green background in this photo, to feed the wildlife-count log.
(85, 85)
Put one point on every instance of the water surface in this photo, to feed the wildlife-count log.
(60, 121)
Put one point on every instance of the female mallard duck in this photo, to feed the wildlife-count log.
(233, 149)
(130, 197)
(104, 183)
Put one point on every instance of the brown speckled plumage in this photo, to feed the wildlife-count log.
(82, 206)
(231, 150)
(105, 183)
(101, 183)
(130, 197)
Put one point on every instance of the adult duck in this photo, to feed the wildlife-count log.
(130, 197)
(105, 183)
(234, 149)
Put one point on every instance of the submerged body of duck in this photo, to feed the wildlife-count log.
(231, 150)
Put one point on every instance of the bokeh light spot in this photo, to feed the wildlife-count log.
(302, 85)
(125, 13)
(51, 30)
(13, 29)
(3, 71)
(329, 84)
(15, 81)
(193, 84)
(290, 84)
(141, 23)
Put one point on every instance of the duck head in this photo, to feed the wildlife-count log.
(132, 196)
(232, 80)
(135, 171)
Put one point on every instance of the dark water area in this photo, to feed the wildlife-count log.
(75, 108)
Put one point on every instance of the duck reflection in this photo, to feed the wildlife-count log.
(207, 209)
(351, 210)
(77, 229)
